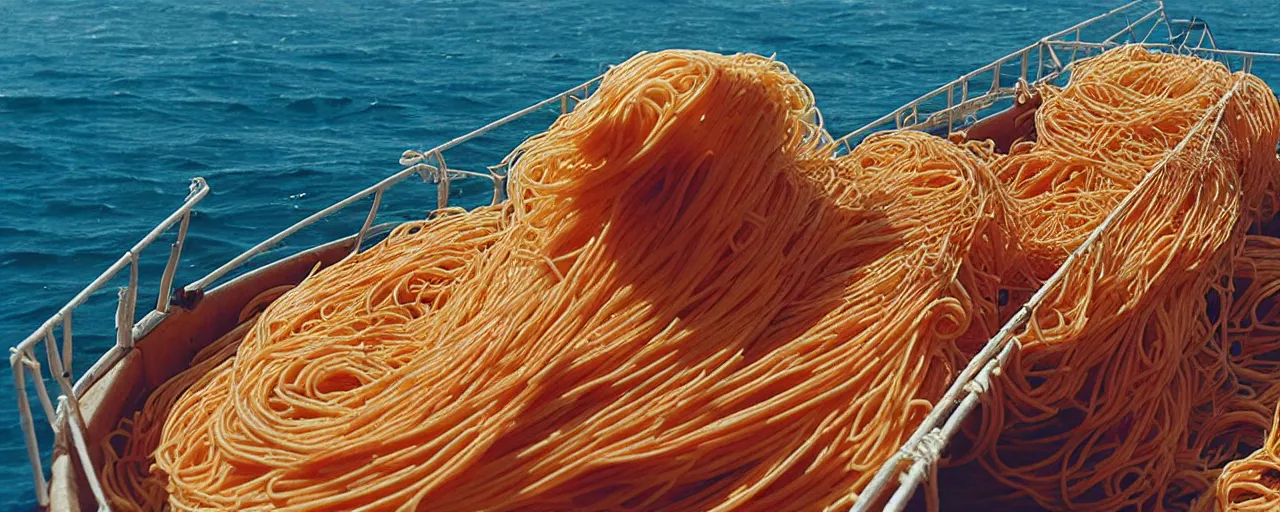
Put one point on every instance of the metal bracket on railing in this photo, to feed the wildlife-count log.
(437, 173)
(578, 95)
(410, 157)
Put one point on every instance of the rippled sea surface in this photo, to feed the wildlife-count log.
(107, 112)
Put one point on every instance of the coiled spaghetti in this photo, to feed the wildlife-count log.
(687, 307)
(1122, 394)
(1253, 483)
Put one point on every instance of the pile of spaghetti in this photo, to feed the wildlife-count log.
(1253, 482)
(1125, 393)
(688, 304)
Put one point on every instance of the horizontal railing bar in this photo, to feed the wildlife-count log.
(453, 173)
(981, 102)
(380, 186)
(1012, 57)
(297, 226)
(79, 299)
(516, 115)
(1016, 55)
(1219, 51)
(996, 343)
(199, 189)
(932, 121)
(153, 319)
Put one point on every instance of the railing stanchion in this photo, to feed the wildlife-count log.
(66, 341)
(171, 266)
(29, 431)
(368, 221)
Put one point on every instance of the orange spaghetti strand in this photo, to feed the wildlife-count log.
(1253, 482)
(1122, 395)
(687, 307)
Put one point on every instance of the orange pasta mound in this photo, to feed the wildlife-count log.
(1123, 395)
(687, 303)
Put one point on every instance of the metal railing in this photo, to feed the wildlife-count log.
(1046, 60)
(67, 420)
(67, 417)
(430, 165)
(924, 447)
(958, 102)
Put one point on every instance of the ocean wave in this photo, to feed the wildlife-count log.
(13, 149)
(57, 74)
(318, 104)
(320, 97)
(230, 106)
(182, 163)
(35, 103)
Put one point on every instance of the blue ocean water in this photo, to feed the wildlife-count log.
(107, 111)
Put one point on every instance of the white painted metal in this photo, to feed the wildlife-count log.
(922, 448)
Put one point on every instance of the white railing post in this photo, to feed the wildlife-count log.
(442, 186)
(171, 266)
(128, 331)
(368, 221)
(1039, 61)
(66, 341)
(1025, 58)
(29, 430)
(124, 325)
(42, 392)
(76, 424)
(951, 92)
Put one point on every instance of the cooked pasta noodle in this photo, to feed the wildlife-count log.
(688, 304)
